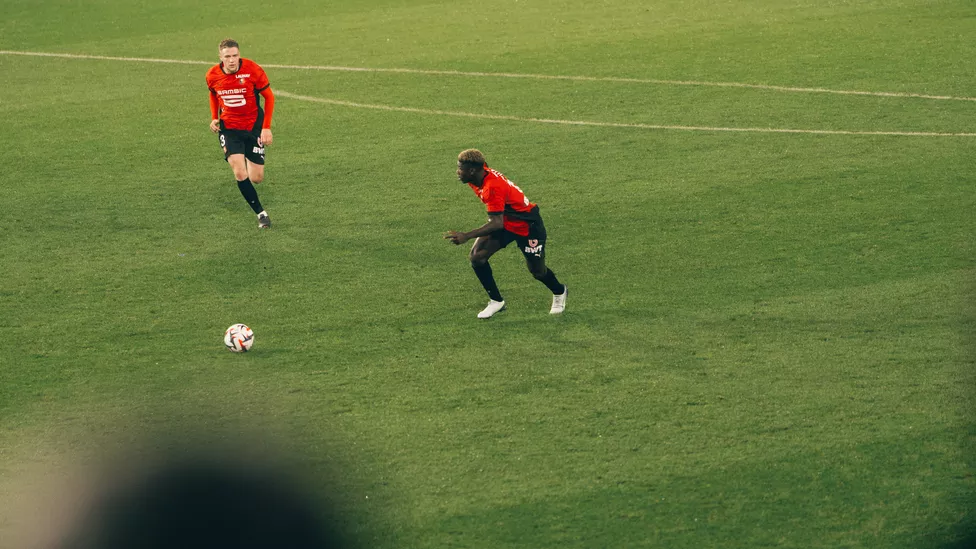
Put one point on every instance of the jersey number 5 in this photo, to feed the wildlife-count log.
(234, 100)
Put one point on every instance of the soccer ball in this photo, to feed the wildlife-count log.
(239, 338)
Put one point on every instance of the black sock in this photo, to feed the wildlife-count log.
(483, 270)
(549, 279)
(247, 190)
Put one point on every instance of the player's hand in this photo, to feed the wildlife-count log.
(266, 138)
(455, 237)
(215, 125)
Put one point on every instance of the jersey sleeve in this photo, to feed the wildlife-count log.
(214, 106)
(263, 87)
(269, 102)
(261, 82)
(214, 100)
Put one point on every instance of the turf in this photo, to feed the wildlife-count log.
(769, 337)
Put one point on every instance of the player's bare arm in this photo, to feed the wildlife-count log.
(495, 222)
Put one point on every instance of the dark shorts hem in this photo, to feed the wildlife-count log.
(241, 142)
(532, 245)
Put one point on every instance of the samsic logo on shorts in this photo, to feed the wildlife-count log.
(534, 247)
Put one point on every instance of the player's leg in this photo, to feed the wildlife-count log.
(255, 174)
(542, 273)
(482, 249)
(537, 266)
(533, 247)
(238, 147)
(255, 160)
(239, 164)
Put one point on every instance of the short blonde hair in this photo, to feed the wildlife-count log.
(472, 156)
(228, 43)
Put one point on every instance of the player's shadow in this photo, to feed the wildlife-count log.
(206, 503)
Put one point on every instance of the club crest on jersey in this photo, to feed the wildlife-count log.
(242, 80)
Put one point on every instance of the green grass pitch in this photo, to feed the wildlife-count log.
(769, 337)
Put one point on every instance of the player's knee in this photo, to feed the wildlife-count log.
(477, 260)
(538, 271)
(257, 177)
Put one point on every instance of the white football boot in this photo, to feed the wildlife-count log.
(559, 301)
(492, 308)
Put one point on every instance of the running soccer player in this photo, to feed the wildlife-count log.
(511, 217)
(243, 126)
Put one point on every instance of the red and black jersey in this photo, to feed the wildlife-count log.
(234, 97)
(501, 196)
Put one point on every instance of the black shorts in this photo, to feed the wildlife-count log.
(532, 246)
(241, 142)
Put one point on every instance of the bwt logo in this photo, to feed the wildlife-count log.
(258, 150)
(533, 247)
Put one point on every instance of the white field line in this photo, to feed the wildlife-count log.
(511, 75)
(281, 93)
(550, 77)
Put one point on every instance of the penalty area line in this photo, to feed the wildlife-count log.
(414, 110)
(477, 74)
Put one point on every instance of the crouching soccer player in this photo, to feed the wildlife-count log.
(244, 128)
(511, 217)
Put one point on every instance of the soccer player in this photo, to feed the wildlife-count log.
(243, 126)
(511, 217)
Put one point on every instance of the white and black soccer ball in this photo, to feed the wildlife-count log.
(239, 338)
